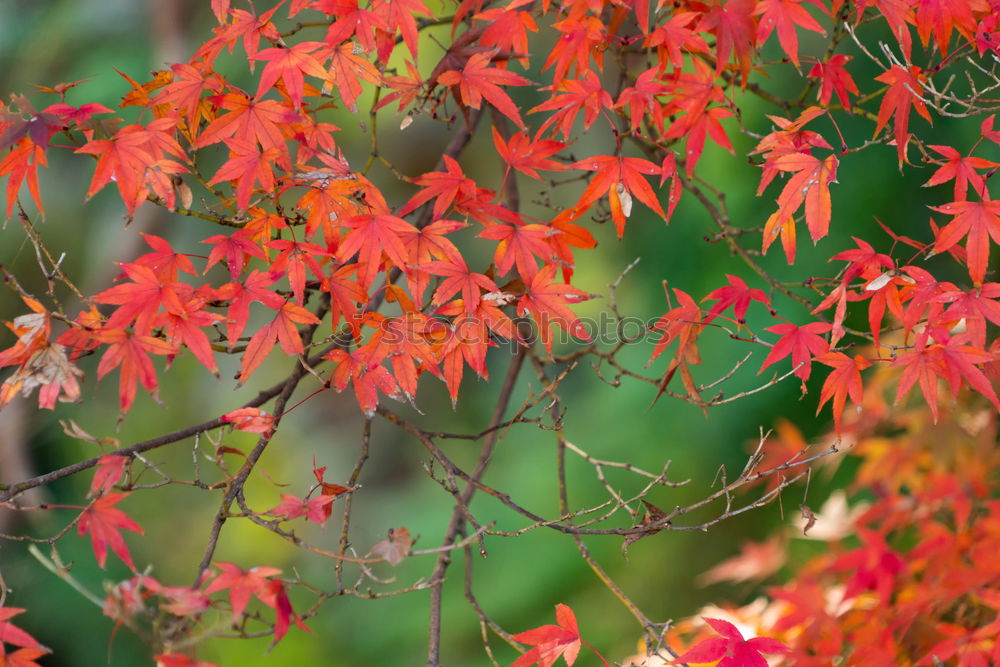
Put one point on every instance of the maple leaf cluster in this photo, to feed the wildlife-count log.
(909, 577)
(339, 233)
(321, 259)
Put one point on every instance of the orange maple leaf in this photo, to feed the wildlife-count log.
(618, 178)
(809, 184)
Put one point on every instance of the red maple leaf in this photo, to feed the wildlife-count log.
(370, 236)
(526, 155)
(20, 163)
(898, 14)
(345, 294)
(280, 330)
(164, 260)
(582, 37)
(684, 324)
(348, 70)
(187, 328)
(241, 584)
(352, 21)
(134, 159)
(289, 65)
(104, 521)
(275, 596)
(406, 89)
(131, 353)
(327, 201)
(978, 221)
(233, 249)
(737, 295)
(292, 507)
(107, 472)
(834, 78)
(507, 30)
(731, 649)
(962, 170)
(179, 659)
(294, 258)
(976, 306)
(570, 96)
(365, 371)
(520, 244)
(22, 657)
(802, 342)
(425, 245)
(244, 25)
(467, 340)
(546, 300)
(844, 380)
(904, 86)
(641, 99)
(952, 362)
(247, 164)
(731, 22)
(478, 81)
(459, 278)
(692, 93)
(783, 16)
(249, 120)
(568, 235)
(241, 295)
(184, 92)
(441, 186)
(140, 299)
(941, 17)
(673, 36)
(551, 641)
(11, 634)
(401, 17)
(328, 489)
(408, 341)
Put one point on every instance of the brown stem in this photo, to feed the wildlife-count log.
(458, 515)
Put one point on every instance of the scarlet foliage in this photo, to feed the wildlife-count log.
(909, 576)
(367, 273)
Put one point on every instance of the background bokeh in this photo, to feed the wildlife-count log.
(44, 43)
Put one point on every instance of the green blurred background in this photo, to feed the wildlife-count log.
(44, 43)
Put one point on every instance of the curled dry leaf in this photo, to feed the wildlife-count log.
(394, 548)
(251, 420)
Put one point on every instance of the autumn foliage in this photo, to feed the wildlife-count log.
(363, 282)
